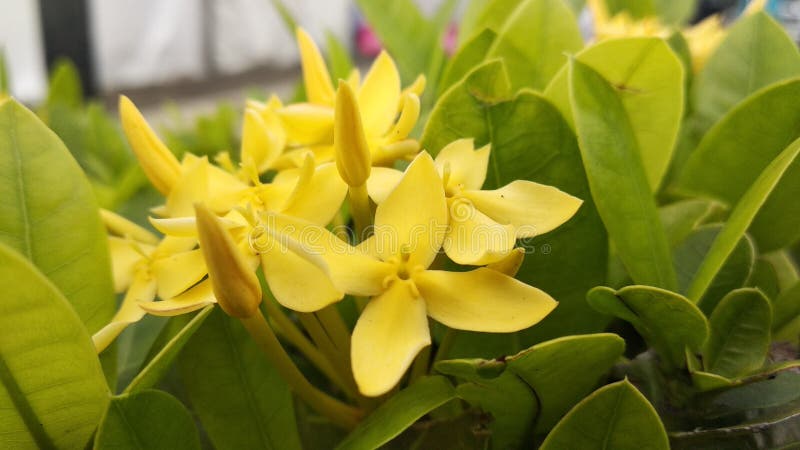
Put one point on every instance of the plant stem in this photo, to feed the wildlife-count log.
(336, 411)
(421, 365)
(360, 210)
(332, 322)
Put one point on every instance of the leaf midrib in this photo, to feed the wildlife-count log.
(27, 249)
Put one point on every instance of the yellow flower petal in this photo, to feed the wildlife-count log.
(416, 88)
(387, 154)
(260, 146)
(510, 264)
(408, 118)
(307, 124)
(532, 208)
(121, 226)
(413, 218)
(467, 166)
(482, 300)
(143, 289)
(177, 273)
(317, 81)
(473, 238)
(381, 182)
(388, 335)
(353, 157)
(379, 96)
(124, 259)
(193, 187)
(187, 226)
(320, 197)
(158, 163)
(296, 283)
(195, 298)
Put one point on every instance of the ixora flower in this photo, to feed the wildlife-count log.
(484, 224)
(393, 269)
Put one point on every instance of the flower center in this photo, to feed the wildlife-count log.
(404, 272)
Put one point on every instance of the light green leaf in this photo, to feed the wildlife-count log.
(616, 416)
(240, 399)
(531, 141)
(399, 413)
(147, 420)
(688, 256)
(617, 178)
(648, 79)
(740, 219)
(786, 317)
(469, 56)
(559, 378)
(533, 37)
(180, 330)
(4, 86)
(49, 214)
(740, 334)
(683, 217)
(668, 322)
(338, 57)
(65, 85)
(52, 389)
(675, 12)
(636, 8)
(737, 149)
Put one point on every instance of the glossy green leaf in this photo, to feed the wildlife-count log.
(668, 322)
(505, 396)
(755, 53)
(399, 413)
(740, 334)
(648, 79)
(65, 85)
(52, 389)
(764, 278)
(49, 214)
(559, 378)
(786, 314)
(734, 273)
(681, 218)
(531, 141)
(740, 219)
(616, 416)
(733, 154)
(533, 37)
(469, 56)
(240, 399)
(617, 178)
(147, 420)
(158, 365)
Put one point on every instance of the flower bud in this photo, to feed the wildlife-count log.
(158, 163)
(353, 158)
(233, 280)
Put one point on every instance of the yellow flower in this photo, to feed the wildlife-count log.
(393, 268)
(484, 225)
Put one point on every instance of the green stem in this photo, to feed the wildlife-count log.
(322, 339)
(421, 365)
(448, 340)
(360, 210)
(336, 411)
(332, 322)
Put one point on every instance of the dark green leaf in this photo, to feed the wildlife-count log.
(52, 389)
(49, 214)
(681, 218)
(147, 420)
(615, 417)
(399, 412)
(617, 178)
(786, 314)
(240, 399)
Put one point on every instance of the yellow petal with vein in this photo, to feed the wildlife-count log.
(195, 298)
(353, 156)
(124, 259)
(178, 272)
(388, 335)
(473, 238)
(381, 182)
(307, 124)
(143, 289)
(317, 81)
(379, 96)
(121, 226)
(467, 166)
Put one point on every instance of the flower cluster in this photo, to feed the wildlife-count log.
(306, 167)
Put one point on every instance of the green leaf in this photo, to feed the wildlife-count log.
(785, 267)
(52, 389)
(240, 399)
(675, 12)
(533, 37)
(49, 214)
(740, 334)
(65, 85)
(338, 57)
(668, 322)
(469, 56)
(616, 416)
(531, 141)
(158, 365)
(147, 420)
(648, 79)
(510, 401)
(755, 53)
(617, 178)
(740, 219)
(734, 273)
(786, 314)
(636, 8)
(681, 218)
(399, 413)
(4, 86)
(737, 149)
(559, 378)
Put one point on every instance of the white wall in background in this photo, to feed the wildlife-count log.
(21, 41)
(146, 42)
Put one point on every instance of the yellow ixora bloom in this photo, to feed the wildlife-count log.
(485, 224)
(309, 126)
(393, 269)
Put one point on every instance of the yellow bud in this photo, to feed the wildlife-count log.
(353, 158)
(158, 163)
(233, 280)
(510, 264)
